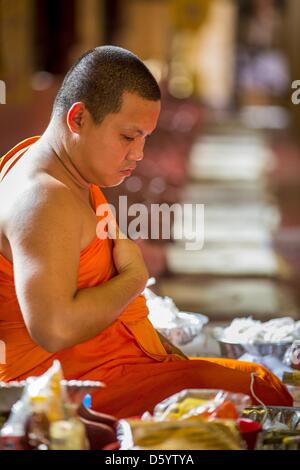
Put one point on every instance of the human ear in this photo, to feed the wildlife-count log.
(75, 117)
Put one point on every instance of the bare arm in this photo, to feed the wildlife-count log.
(44, 235)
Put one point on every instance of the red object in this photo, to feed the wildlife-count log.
(226, 410)
(112, 446)
(100, 428)
(249, 431)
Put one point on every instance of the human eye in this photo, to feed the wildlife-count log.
(128, 138)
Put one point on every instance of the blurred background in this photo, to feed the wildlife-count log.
(227, 136)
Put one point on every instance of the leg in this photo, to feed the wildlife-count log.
(141, 387)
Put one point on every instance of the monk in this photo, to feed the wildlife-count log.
(69, 294)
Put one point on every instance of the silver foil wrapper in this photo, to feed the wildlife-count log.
(281, 427)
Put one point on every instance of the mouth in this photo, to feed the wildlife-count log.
(127, 172)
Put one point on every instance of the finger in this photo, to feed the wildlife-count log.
(114, 231)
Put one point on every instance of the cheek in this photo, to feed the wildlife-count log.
(115, 153)
(108, 160)
(105, 155)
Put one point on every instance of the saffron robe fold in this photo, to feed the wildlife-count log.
(128, 355)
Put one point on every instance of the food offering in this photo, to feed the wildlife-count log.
(248, 336)
(46, 415)
(191, 419)
(281, 427)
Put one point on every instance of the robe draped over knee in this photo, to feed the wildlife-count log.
(128, 355)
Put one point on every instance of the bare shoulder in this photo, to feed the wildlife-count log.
(46, 204)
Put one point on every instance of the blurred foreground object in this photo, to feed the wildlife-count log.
(46, 416)
(190, 419)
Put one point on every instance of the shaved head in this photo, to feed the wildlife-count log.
(99, 79)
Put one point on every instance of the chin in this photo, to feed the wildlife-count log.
(111, 183)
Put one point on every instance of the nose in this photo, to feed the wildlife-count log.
(137, 152)
(138, 156)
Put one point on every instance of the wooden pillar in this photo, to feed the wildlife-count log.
(89, 26)
(16, 48)
(292, 36)
(214, 54)
(146, 28)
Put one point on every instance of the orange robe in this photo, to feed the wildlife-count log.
(128, 355)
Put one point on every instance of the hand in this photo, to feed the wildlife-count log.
(170, 347)
(127, 255)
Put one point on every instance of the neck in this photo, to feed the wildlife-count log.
(55, 140)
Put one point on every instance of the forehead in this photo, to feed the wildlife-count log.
(136, 111)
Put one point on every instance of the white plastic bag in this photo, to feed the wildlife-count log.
(178, 327)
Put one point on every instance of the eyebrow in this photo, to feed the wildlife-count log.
(136, 129)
